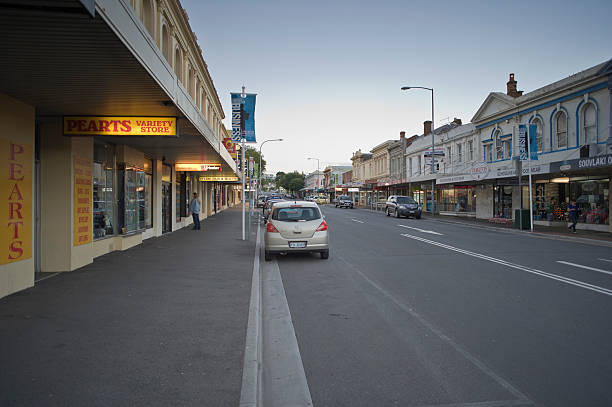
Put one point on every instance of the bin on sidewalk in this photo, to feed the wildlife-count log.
(517, 220)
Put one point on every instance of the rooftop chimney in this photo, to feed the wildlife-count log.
(457, 121)
(402, 134)
(511, 87)
(426, 127)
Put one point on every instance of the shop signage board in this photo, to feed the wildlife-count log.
(230, 146)
(218, 178)
(82, 201)
(119, 126)
(197, 167)
(479, 171)
(582, 163)
(16, 206)
(353, 190)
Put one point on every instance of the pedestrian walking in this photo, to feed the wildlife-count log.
(572, 210)
(194, 208)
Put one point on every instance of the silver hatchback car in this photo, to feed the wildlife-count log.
(296, 226)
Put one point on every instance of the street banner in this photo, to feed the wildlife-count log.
(82, 207)
(522, 142)
(532, 149)
(243, 117)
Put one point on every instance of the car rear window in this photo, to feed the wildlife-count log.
(405, 200)
(296, 214)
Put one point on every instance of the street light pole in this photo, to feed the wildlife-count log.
(318, 181)
(259, 169)
(433, 180)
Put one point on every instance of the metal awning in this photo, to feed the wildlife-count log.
(58, 58)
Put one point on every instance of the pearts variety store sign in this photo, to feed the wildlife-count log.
(119, 126)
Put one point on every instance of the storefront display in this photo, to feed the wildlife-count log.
(103, 182)
(502, 201)
(458, 198)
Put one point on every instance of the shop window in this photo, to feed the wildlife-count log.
(177, 196)
(178, 64)
(459, 153)
(103, 191)
(147, 215)
(148, 17)
(589, 123)
(561, 129)
(592, 197)
(507, 146)
(502, 202)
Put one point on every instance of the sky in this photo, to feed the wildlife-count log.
(328, 73)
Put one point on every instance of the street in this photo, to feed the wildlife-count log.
(431, 313)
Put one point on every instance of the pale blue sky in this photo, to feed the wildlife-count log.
(328, 73)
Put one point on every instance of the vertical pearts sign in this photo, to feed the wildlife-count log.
(82, 201)
(16, 206)
(243, 117)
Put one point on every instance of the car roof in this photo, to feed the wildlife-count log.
(288, 204)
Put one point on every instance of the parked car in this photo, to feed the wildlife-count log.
(399, 205)
(344, 201)
(261, 201)
(296, 226)
(322, 199)
(269, 204)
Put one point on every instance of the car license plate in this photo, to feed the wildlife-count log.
(297, 245)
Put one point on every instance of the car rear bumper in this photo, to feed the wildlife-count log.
(274, 243)
(410, 212)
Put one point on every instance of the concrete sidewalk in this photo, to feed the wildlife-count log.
(161, 324)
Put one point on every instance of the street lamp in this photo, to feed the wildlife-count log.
(318, 183)
(259, 170)
(433, 197)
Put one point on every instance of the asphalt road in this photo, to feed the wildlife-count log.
(438, 314)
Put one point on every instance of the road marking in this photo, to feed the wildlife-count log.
(284, 380)
(605, 260)
(358, 221)
(565, 280)
(250, 393)
(422, 230)
(521, 399)
(584, 267)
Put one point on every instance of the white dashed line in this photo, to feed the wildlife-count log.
(358, 221)
(608, 260)
(561, 279)
(431, 232)
(584, 267)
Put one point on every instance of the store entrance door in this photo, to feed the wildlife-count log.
(166, 207)
(502, 202)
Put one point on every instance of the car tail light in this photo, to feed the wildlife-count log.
(322, 227)
(270, 228)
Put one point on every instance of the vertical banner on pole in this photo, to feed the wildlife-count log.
(243, 117)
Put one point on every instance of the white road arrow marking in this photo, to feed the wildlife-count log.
(584, 267)
(421, 230)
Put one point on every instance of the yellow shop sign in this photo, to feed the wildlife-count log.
(119, 126)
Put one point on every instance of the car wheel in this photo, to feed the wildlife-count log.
(388, 212)
(397, 215)
(325, 254)
(267, 255)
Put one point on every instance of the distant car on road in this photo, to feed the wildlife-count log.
(399, 205)
(322, 199)
(344, 201)
(296, 226)
(269, 204)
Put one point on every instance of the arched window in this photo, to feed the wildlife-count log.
(589, 123)
(165, 42)
(148, 17)
(197, 95)
(561, 129)
(190, 81)
(499, 148)
(178, 63)
(539, 133)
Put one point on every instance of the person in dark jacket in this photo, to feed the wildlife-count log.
(572, 210)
